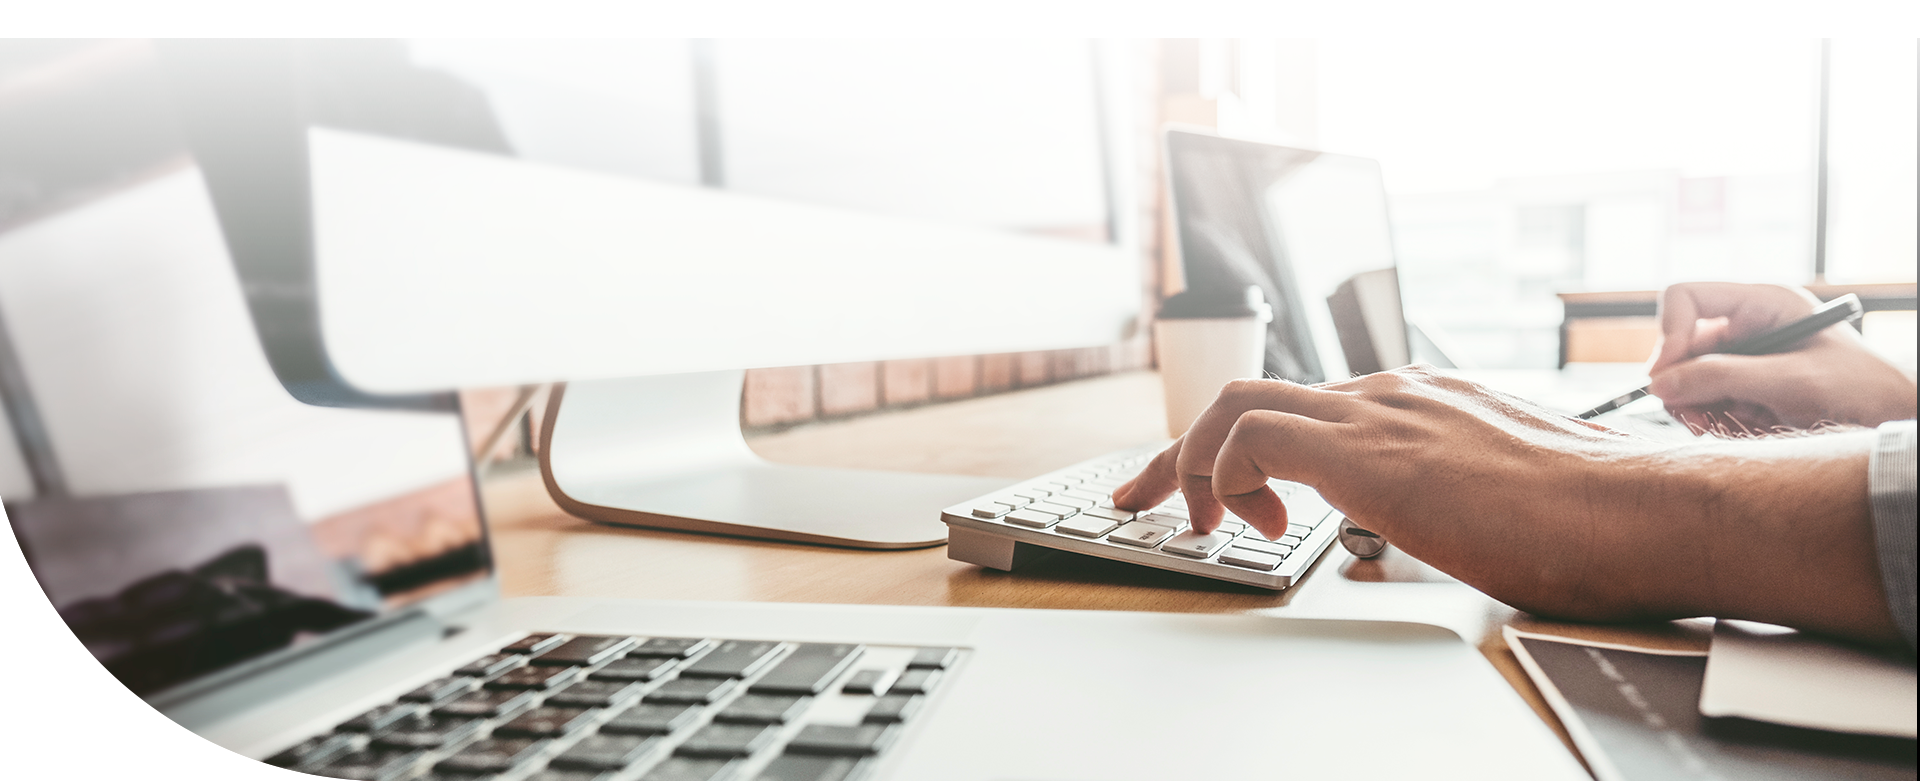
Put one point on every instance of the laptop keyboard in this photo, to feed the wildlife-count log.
(556, 707)
(1073, 510)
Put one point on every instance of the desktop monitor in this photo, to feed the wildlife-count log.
(645, 220)
(1309, 229)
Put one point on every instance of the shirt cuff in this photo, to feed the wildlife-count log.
(1891, 480)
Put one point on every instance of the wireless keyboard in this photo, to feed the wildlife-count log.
(1072, 510)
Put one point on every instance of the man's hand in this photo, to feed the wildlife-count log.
(1831, 377)
(1544, 512)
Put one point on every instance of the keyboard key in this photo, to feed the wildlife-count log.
(837, 740)
(634, 668)
(808, 669)
(559, 774)
(536, 678)
(1232, 527)
(430, 732)
(864, 682)
(1083, 494)
(1141, 534)
(491, 665)
(371, 765)
(585, 651)
(936, 658)
(439, 691)
(800, 767)
(1261, 546)
(1033, 494)
(677, 647)
(485, 703)
(545, 722)
(382, 718)
(693, 690)
(1074, 502)
(1050, 507)
(1032, 519)
(1241, 557)
(1176, 512)
(316, 750)
(1169, 520)
(609, 752)
(1088, 525)
(915, 681)
(691, 769)
(991, 509)
(732, 659)
(727, 740)
(1112, 513)
(493, 755)
(1198, 546)
(651, 719)
(763, 709)
(533, 644)
(894, 708)
(596, 694)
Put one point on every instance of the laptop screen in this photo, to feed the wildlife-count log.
(1298, 224)
(179, 507)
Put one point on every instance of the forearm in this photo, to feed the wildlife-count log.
(1788, 534)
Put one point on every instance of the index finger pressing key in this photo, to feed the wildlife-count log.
(1153, 485)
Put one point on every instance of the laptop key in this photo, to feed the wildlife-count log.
(763, 709)
(727, 740)
(533, 644)
(915, 681)
(864, 682)
(692, 769)
(439, 691)
(429, 732)
(537, 678)
(545, 722)
(894, 708)
(382, 718)
(493, 755)
(839, 740)
(609, 752)
(809, 668)
(371, 765)
(317, 750)
(990, 509)
(585, 651)
(596, 693)
(732, 659)
(677, 647)
(490, 665)
(937, 658)
(800, 767)
(700, 691)
(651, 719)
(634, 668)
(487, 703)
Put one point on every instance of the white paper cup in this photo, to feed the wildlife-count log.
(1199, 355)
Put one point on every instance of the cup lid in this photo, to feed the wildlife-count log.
(1206, 304)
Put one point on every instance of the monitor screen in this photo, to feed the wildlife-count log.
(183, 512)
(1296, 223)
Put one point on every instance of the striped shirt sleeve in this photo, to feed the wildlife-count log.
(1891, 479)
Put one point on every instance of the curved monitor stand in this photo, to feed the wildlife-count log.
(666, 452)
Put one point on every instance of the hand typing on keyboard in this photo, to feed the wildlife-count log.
(1550, 514)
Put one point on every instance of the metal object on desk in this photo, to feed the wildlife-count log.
(1360, 542)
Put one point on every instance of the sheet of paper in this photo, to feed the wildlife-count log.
(1634, 714)
(1772, 673)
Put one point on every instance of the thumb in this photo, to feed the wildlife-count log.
(1713, 379)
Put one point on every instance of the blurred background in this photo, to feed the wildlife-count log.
(1540, 190)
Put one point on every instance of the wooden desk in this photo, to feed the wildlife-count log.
(542, 551)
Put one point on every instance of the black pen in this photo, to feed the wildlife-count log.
(1839, 310)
